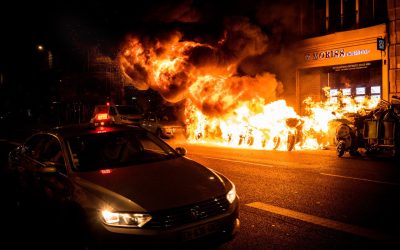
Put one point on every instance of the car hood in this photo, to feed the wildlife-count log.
(156, 186)
(132, 116)
(171, 124)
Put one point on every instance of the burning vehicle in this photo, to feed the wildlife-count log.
(116, 114)
(164, 125)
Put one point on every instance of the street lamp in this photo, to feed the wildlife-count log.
(49, 55)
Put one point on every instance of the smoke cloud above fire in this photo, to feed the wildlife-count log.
(206, 73)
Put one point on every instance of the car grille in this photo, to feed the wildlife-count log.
(188, 214)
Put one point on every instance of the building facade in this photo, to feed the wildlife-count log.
(349, 61)
(351, 47)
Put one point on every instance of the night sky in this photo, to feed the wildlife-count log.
(67, 25)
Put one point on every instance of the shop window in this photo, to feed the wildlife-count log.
(334, 16)
(349, 14)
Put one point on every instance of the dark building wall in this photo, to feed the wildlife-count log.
(394, 46)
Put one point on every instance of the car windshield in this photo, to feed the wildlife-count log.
(101, 109)
(168, 117)
(117, 149)
(129, 110)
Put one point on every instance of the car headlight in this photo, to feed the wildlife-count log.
(231, 195)
(124, 219)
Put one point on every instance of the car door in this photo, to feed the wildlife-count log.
(54, 185)
(114, 114)
(152, 123)
(26, 164)
(145, 122)
(40, 186)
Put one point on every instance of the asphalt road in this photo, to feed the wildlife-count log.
(309, 199)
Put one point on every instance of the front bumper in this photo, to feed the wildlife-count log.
(218, 227)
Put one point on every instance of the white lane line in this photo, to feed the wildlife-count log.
(362, 179)
(245, 162)
(360, 231)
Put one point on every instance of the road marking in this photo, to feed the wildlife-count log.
(321, 221)
(246, 162)
(333, 175)
(362, 179)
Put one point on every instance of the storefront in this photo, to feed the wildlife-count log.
(352, 62)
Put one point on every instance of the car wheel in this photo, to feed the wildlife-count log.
(340, 148)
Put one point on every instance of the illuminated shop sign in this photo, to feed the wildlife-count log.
(375, 90)
(360, 91)
(333, 92)
(346, 67)
(346, 91)
(338, 53)
(380, 44)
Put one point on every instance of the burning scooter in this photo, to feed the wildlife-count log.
(377, 131)
(294, 135)
(347, 135)
(382, 128)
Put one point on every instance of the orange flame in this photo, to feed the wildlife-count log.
(223, 107)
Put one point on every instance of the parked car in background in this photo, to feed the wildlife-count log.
(164, 125)
(116, 114)
(105, 186)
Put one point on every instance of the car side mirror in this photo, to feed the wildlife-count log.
(49, 167)
(181, 151)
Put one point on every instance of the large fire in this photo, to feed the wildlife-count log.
(222, 106)
(267, 126)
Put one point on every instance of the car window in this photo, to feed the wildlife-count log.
(35, 145)
(52, 151)
(45, 148)
(110, 150)
(152, 147)
(152, 118)
(129, 110)
(168, 117)
(113, 111)
(101, 109)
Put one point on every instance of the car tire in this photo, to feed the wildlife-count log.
(340, 148)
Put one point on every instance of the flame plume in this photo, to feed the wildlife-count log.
(222, 106)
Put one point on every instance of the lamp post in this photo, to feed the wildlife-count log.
(49, 55)
(50, 92)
